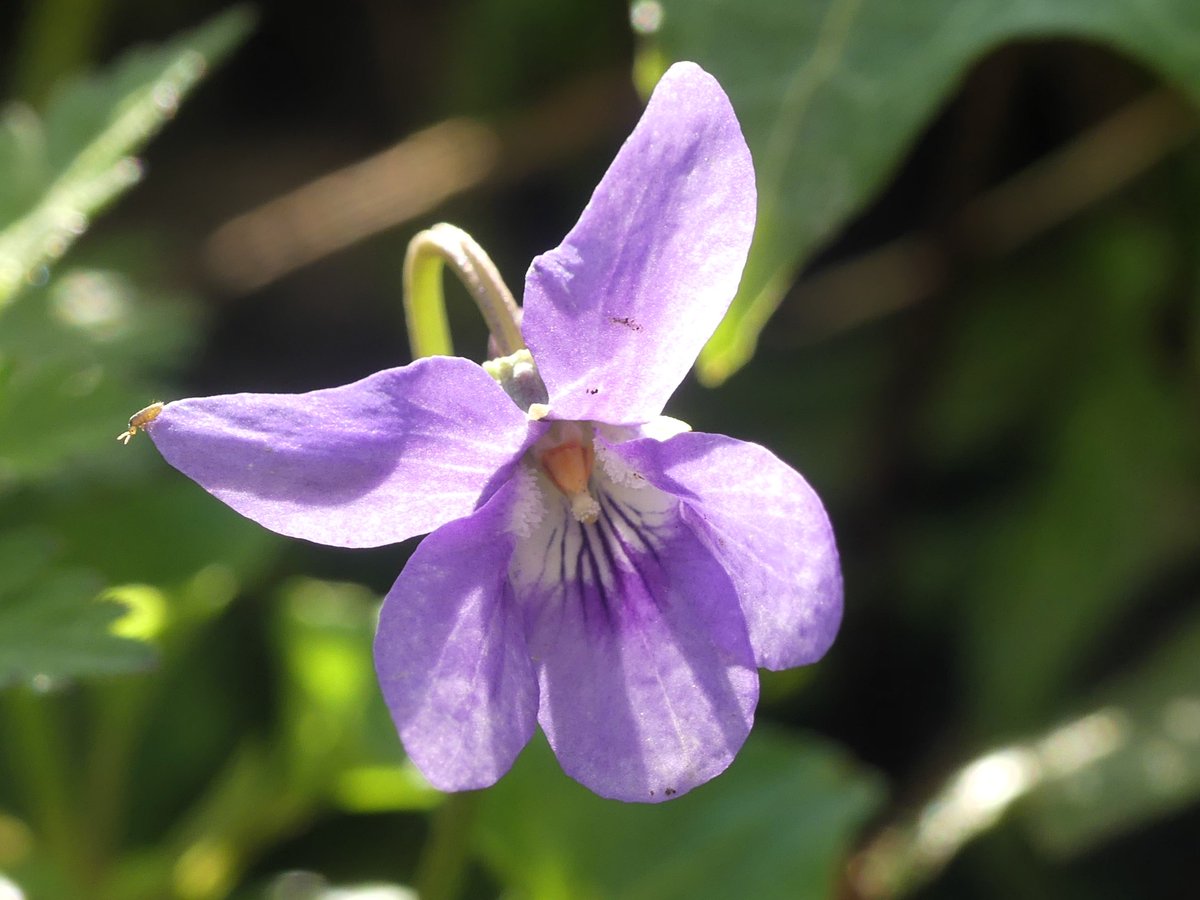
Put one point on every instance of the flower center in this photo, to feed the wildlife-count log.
(566, 456)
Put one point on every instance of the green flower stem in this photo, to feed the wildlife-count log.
(425, 304)
(443, 865)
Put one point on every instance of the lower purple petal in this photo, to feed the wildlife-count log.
(451, 653)
(768, 528)
(647, 679)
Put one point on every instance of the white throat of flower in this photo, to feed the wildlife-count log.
(557, 547)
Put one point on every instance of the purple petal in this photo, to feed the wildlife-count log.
(451, 655)
(616, 314)
(768, 528)
(375, 462)
(647, 678)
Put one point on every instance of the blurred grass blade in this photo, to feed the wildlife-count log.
(832, 93)
(1134, 760)
(90, 129)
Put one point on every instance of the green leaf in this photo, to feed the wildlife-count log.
(778, 823)
(72, 358)
(831, 94)
(77, 160)
(52, 625)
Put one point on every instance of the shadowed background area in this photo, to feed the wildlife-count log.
(985, 359)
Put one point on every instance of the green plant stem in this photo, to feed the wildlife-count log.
(443, 865)
(425, 303)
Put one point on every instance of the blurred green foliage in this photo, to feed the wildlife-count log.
(1114, 494)
(782, 816)
(187, 703)
(48, 633)
(831, 95)
(68, 164)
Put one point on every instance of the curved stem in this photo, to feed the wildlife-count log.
(425, 304)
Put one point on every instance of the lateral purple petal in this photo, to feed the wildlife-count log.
(769, 530)
(451, 654)
(374, 462)
(617, 313)
(647, 678)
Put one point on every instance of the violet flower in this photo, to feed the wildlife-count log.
(594, 567)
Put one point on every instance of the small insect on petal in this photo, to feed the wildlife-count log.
(139, 420)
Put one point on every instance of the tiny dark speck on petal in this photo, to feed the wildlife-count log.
(628, 321)
(670, 792)
(593, 390)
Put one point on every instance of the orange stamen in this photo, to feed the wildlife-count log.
(569, 467)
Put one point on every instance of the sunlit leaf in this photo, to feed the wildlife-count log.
(777, 824)
(831, 94)
(52, 623)
(373, 789)
(324, 635)
(77, 159)
(72, 354)
(336, 731)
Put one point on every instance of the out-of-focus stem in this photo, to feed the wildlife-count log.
(914, 848)
(411, 179)
(119, 708)
(444, 860)
(424, 301)
(909, 853)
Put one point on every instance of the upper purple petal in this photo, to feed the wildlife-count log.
(768, 528)
(617, 313)
(451, 655)
(647, 678)
(374, 462)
